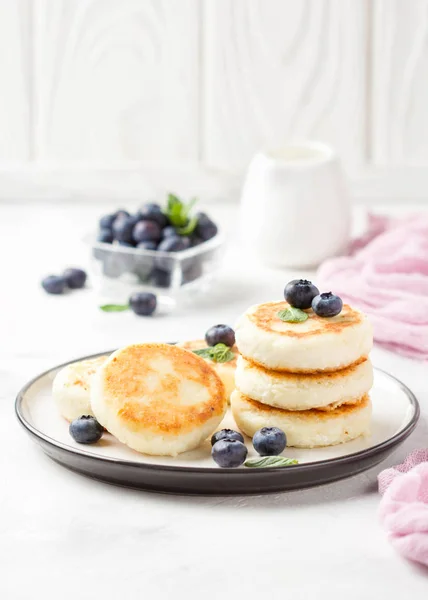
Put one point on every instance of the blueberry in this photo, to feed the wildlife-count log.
(147, 245)
(192, 272)
(269, 441)
(122, 229)
(300, 293)
(127, 244)
(220, 334)
(169, 231)
(195, 240)
(121, 213)
(106, 221)
(229, 454)
(105, 235)
(327, 305)
(153, 212)
(75, 278)
(205, 229)
(143, 303)
(146, 231)
(86, 430)
(160, 278)
(54, 284)
(226, 434)
(169, 244)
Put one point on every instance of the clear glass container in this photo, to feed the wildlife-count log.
(118, 271)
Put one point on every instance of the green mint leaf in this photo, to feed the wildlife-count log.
(270, 461)
(178, 213)
(189, 228)
(114, 307)
(293, 315)
(219, 353)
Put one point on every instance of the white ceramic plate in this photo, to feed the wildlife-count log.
(395, 414)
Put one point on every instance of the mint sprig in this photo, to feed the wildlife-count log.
(114, 307)
(270, 461)
(293, 315)
(219, 353)
(178, 213)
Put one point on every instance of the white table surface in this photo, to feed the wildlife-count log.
(65, 536)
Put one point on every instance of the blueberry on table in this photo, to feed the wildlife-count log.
(54, 284)
(300, 293)
(122, 229)
(205, 228)
(226, 434)
(146, 231)
(327, 305)
(269, 441)
(153, 212)
(105, 236)
(220, 334)
(106, 221)
(143, 303)
(75, 278)
(229, 454)
(147, 245)
(86, 430)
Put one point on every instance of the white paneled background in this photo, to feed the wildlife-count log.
(123, 97)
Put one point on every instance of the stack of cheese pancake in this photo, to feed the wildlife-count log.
(311, 379)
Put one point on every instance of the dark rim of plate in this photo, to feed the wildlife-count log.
(349, 458)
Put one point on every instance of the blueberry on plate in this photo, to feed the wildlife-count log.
(75, 278)
(54, 284)
(229, 454)
(143, 303)
(226, 434)
(160, 278)
(86, 430)
(122, 229)
(147, 245)
(153, 212)
(269, 441)
(327, 305)
(106, 221)
(105, 236)
(206, 228)
(300, 293)
(220, 334)
(169, 231)
(146, 231)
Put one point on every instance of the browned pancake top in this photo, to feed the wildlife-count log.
(318, 413)
(266, 317)
(81, 377)
(160, 408)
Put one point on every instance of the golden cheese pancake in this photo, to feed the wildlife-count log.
(307, 428)
(71, 388)
(296, 391)
(226, 371)
(317, 344)
(158, 399)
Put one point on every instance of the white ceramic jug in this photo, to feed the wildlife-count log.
(295, 209)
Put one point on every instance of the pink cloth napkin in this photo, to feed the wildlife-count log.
(386, 275)
(404, 506)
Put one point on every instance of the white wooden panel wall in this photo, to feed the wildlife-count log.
(113, 97)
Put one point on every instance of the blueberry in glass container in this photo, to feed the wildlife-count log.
(153, 212)
(122, 213)
(75, 278)
(269, 441)
(226, 434)
(300, 293)
(169, 244)
(123, 228)
(127, 244)
(143, 303)
(146, 231)
(160, 278)
(220, 334)
(205, 228)
(86, 430)
(192, 272)
(229, 454)
(105, 236)
(54, 284)
(106, 221)
(169, 231)
(147, 245)
(327, 305)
